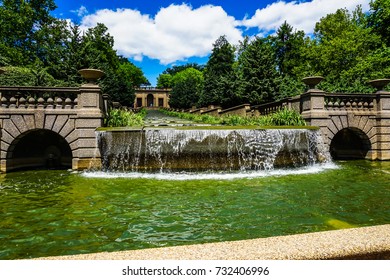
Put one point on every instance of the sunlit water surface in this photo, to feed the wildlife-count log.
(47, 213)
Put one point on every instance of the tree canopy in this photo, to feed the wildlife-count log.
(50, 51)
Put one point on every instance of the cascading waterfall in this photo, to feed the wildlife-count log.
(168, 150)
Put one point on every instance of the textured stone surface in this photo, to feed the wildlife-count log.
(357, 243)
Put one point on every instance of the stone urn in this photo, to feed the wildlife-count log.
(379, 84)
(312, 81)
(91, 75)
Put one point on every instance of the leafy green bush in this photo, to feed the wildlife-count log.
(283, 117)
(123, 117)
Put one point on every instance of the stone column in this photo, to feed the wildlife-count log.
(90, 114)
(382, 118)
(313, 107)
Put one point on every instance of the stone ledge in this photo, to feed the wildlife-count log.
(357, 243)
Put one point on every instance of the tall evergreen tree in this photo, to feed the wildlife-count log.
(219, 76)
(258, 78)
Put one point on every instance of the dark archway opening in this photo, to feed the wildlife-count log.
(350, 143)
(40, 149)
(150, 100)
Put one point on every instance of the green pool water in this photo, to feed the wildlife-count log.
(48, 213)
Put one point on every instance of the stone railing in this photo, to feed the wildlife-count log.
(38, 97)
(241, 110)
(271, 107)
(349, 101)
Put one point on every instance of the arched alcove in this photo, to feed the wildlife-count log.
(350, 143)
(39, 148)
(150, 100)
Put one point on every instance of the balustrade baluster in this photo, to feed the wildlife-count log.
(59, 103)
(50, 103)
(31, 103)
(68, 103)
(41, 102)
(12, 102)
(22, 103)
(4, 102)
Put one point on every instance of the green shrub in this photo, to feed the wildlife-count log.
(123, 117)
(283, 117)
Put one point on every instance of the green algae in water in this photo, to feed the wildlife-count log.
(46, 213)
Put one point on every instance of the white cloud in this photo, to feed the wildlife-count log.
(82, 11)
(178, 32)
(175, 33)
(301, 15)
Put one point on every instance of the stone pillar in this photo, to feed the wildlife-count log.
(90, 114)
(383, 124)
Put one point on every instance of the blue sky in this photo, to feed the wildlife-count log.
(156, 34)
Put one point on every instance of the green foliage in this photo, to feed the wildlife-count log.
(132, 73)
(186, 88)
(123, 118)
(22, 76)
(379, 19)
(283, 117)
(257, 76)
(178, 68)
(54, 51)
(164, 81)
(289, 49)
(219, 76)
(342, 50)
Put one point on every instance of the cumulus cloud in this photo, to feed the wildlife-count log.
(178, 32)
(175, 33)
(301, 15)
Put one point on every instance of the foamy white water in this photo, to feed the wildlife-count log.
(183, 176)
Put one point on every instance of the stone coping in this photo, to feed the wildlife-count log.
(356, 243)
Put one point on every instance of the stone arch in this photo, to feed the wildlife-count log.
(39, 148)
(150, 100)
(350, 143)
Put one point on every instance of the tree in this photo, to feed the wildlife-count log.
(288, 49)
(132, 73)
(379, 19)
(258, 78)
(219, 76)
(187, 86)
(178, 68)
(341, 42)
(164, 81)
(290, 53)
(20, 23)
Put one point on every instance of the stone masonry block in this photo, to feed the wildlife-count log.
(337, 122)
(49, 121)
(10, 127)
(67, 128)
(87, 153)
(87, 133)
(59, 123)
(6, 137)
(19, 122)
(30, 121)
(40, 119)
(72, 137)
(89, 123)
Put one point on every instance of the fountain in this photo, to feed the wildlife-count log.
(209, 149)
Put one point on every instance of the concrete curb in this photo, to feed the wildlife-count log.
(357, 243)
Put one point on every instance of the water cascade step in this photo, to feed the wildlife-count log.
(209, 149)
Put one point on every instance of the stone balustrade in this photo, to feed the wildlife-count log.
(38, 97)
(349, 101)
